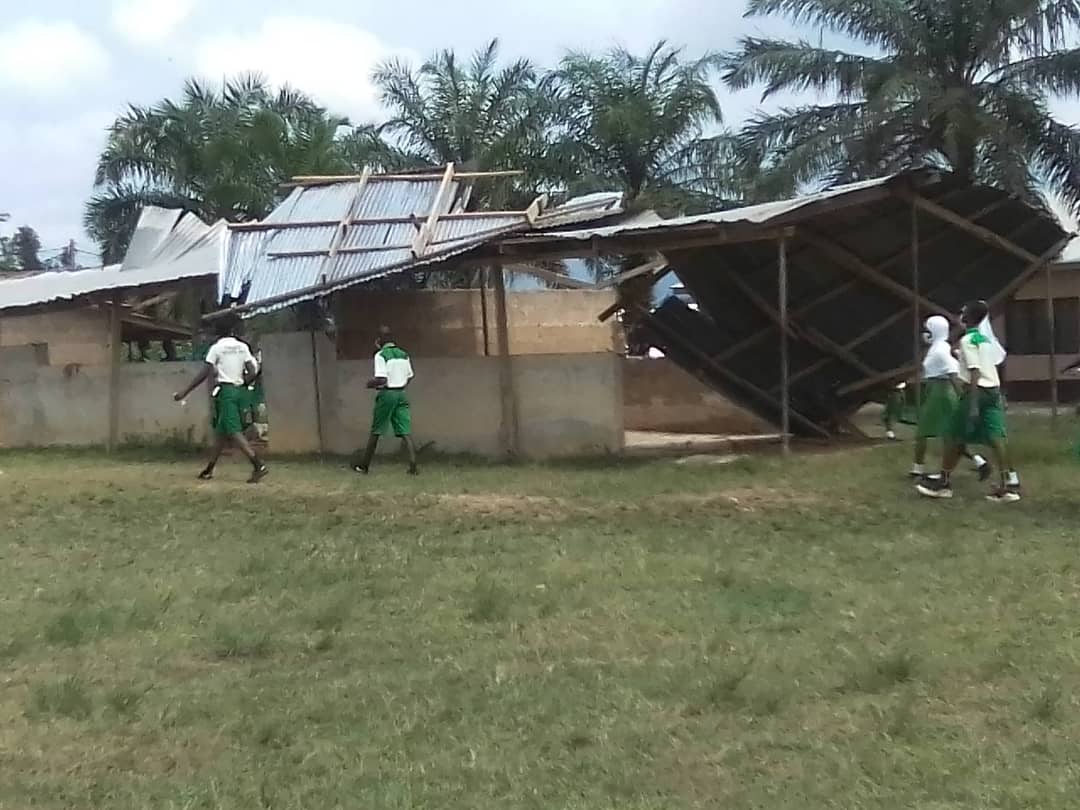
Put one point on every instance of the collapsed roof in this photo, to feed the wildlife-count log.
(333, 232)
(864, 262)
(168, 248)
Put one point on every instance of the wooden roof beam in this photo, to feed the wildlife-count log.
(967, 226)
(854, 264)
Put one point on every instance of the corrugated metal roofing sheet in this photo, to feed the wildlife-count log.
(260, 260)
(191, 249)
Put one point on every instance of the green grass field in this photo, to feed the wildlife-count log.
(758, 635)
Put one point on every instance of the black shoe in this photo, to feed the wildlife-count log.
(258, 474)
(934, 488)
(206, 475)
(414, 470)
(984, 471)
(360, 469)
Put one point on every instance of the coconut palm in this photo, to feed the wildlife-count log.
(219, 153)
(965, 84)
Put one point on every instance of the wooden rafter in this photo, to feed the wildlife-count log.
(727, 374)
(426, 177)
(854, 264)
(1019, 281)
(978, 231)
(799, 332)
(399, 220)
(427, 230)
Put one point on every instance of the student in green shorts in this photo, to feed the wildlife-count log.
(980, 415)
(940, 373)
(393, 371)
(230, 362)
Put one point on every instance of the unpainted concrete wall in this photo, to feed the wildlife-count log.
(43, 405)
(450, 323)
(658, 395)
(75, 336)
(567, 404)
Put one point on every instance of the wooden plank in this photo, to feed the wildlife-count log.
(853, 263)
(427, 230)
(647, 268)
(116, 312)
(425, 177)
(398, 220)
(782, 307)
(153, 302)
(978, 231)
(799, 332)
(727, 374)
(509, 428)
(1052, 359)
(550, 276)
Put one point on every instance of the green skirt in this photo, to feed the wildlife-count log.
(938, 409)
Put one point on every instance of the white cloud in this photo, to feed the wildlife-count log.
(329, 60)
(149, 22)
(38, 57)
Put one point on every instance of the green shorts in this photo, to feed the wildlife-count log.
(391, 411)
(989, 423)
(938, 409)
(229, 404)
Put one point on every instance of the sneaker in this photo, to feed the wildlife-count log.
(936, 487)
(414, 470)
(1004, 495)
(890, 435)
(917, 472)
(984, 470)
(259, 474)
(359, 469)
(206, 475)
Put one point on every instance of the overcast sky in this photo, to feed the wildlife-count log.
(67, 67)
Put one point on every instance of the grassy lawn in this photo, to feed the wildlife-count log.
(757, 635)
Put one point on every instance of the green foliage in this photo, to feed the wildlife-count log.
(965, 85)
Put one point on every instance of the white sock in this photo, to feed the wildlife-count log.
(918, 469)
(979, 460)
(1012, 479)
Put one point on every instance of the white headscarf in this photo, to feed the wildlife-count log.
(939, 360)
(986, 329)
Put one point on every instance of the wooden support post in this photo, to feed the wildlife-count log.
(509, 429)
(916, 332)
(1052, 360)
(115, 357)
(785, 393)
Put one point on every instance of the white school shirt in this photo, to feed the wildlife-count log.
(978, 360)
(229, 357)
(392, 364)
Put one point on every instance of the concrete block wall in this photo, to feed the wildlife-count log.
(567, 404)
(658, 395)
(75, 336)
(46, 405)
(450, 323)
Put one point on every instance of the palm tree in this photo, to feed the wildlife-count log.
(219, 153)
(478, 115)
(649, 124)
(965, 84)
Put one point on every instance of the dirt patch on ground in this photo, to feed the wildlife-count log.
(496, 503)
(749, 499)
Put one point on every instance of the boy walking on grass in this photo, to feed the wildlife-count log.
(233, 367)
(393, 371)
(980, 416)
